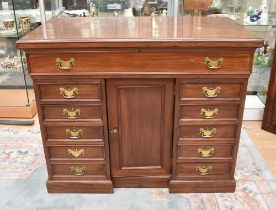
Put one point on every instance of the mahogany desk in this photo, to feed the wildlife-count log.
(140, 102)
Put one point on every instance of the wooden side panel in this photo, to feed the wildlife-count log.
(141, 110)
(269, 120)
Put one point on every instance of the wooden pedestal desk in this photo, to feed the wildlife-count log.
(140, 102)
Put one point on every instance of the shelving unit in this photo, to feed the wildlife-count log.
(17, 97)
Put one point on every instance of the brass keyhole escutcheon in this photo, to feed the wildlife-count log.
(114, 130)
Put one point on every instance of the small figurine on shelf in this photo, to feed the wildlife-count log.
(25, 24)
(115, 14)
(146, 10)
(9, 24)
(75, 13)
(164, 13)
(9, 27)
(263, 59)
(264, 17)
(128, 10)
(8, 64)
(93, 10)
(137, 6)
(252, 16)
(36, 4)
(214, 8)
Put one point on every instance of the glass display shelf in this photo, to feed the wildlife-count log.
(17, 18)
(93, 8)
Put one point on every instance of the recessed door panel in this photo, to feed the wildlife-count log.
(140, 126)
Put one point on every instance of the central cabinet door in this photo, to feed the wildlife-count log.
(140, 119)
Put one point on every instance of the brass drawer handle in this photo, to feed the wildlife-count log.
(74, 133)
(213, 64)
(211, 92)
(208, 133)
(78, 170)
(65, 65)
(206, 152)
(69, 93)
(71, 114)
(75, 153)
(204, 170)
(208, 113)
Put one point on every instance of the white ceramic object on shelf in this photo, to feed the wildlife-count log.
(254, 108)
(128, 12)
(264, 16)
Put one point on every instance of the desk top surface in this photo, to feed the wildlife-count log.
(182, 31)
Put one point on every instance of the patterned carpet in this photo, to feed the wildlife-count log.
(23, 175)
(21, 153)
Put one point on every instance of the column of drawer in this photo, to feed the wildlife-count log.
(73, 118)
(208, 118)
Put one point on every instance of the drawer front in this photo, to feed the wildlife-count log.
(215, 62)
(204, 151)
(74, 112)
(70, 91)
(209, 90)
(203, 170)
(78, 171)
(76, 152)
(207, 132)
(209, 111)
(75, 133)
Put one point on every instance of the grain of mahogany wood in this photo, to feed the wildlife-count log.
(139, 32)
